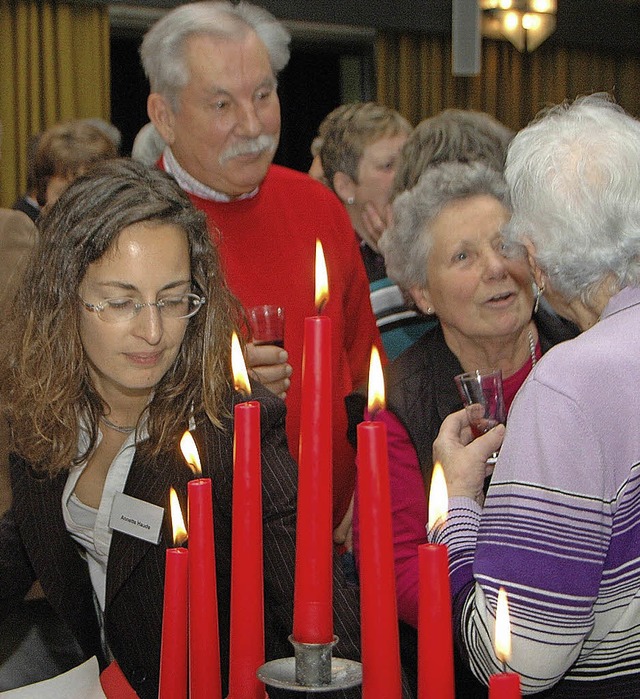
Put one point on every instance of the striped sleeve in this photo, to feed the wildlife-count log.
(560, 531)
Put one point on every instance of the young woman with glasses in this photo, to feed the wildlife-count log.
(121, 341)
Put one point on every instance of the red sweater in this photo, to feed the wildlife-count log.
(267, 244)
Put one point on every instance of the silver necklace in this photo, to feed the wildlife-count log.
(117, 428)
(532, 349)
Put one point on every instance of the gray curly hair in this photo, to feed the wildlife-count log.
(574, 175)
(406, 244)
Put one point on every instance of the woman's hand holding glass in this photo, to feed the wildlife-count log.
(482, 397)
(465, 458)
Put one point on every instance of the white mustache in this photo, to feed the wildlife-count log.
(250, 147)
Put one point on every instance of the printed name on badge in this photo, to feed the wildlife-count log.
(136, 518)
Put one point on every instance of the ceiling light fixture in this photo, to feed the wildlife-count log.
(525, 23)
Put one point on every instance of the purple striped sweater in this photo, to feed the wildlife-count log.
(560, 528)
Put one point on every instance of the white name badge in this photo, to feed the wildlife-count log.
(136, 518)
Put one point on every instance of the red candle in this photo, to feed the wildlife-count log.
(246, 644)
(435, 641)
(505, 685)
(173, 650)
(204, 643)
(435, 634)
(313, 596)
(378, 606)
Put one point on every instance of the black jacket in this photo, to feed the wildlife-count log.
(34, 544)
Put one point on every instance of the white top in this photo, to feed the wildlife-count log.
(89, 527)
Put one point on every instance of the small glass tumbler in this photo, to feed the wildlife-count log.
(482, 398)
(267, 324)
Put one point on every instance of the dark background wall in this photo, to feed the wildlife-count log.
(313, 82)
(613, 24)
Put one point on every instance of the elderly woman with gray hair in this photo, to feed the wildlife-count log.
(447, 249)
(559, 528)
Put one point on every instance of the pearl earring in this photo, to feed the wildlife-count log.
(351, 200)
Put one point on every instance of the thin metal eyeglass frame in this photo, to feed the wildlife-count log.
(97, 308)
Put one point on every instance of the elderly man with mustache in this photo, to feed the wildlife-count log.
(212, 68)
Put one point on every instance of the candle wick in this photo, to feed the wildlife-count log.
(321, 306)
(245, 395)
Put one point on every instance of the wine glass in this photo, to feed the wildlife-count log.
(482, 398)
(267, 325)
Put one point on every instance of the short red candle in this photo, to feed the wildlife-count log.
(173, 651)
(204, 643)
(313, 596)
(247, 597)
(378, 606)
(435, 637)
(506, 685)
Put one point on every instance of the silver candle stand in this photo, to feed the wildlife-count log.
(312, 669)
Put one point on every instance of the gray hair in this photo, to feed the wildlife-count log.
(406, 244)
(162, 49)
(453, 135)
(574, 175)
(147, 145)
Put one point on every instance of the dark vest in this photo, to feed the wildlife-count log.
(420, 389)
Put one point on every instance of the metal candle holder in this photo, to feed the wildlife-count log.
(312, 669)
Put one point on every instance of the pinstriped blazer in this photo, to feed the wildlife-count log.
(35, 544)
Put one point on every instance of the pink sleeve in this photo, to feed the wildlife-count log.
(408, 515)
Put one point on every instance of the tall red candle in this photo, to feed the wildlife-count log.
(435, 632)
(173, 650)
(204, 643)
(505, 685)
(381, 675)
(246, 644)
(435, 640)
(313, 596)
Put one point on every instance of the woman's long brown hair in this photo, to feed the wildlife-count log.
(45, 384)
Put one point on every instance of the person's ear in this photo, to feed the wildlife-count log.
(162, 116)
(344, 187)
(422, 298)
(538, 275)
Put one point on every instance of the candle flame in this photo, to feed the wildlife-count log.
(503, 628)
(376, 400)
(322, 281)
(438, 497)
(190, 453)
(240, 376)
(177, 520)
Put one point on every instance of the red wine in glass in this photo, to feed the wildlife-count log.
(481, 395)
(277, 343)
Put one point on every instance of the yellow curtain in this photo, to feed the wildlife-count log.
(54, 66)
(414, 77)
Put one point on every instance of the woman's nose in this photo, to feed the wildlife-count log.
(495, 263)
(148, 324)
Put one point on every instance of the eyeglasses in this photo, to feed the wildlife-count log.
(118, 310)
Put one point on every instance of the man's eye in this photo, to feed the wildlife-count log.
(460, 257)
